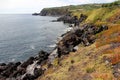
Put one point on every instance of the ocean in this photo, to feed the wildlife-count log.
(24, 35)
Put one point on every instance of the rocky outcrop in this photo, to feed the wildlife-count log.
(53, 12)
(68, 18)
(36, 14)
(84, 35)
(28, 70)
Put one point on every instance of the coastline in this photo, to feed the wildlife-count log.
(20, 70)
(26, 36)
(68, 42)
(83, 43)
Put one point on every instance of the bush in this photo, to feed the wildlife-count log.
(116, 3)
(90, 70)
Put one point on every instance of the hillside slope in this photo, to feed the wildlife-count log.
(98, 61)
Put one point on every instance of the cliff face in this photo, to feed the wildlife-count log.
(53, 12)
(58, 11)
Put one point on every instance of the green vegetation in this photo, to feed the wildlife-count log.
(68, 9)
(116, 3)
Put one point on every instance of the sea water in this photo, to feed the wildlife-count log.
(24, 35)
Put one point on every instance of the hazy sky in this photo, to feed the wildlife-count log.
(30, 6)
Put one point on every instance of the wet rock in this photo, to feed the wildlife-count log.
(2, 64)
(11, 67)
(18, 72)
(71, 25)
(28, 77)
(28, 62)
(38, 72)
(2, 68)
(42, 56)
(17, 64)
(2, 78)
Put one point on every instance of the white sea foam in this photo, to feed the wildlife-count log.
(13, 60)
(52, 46)
(30, 68)
(68, 29)
(32, 47)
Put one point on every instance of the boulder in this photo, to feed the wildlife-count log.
(38, 72)
(28, 77)
(2, 68)
(42, 55)
(82, 18)
(28, 62)
(2, 64)
(18, 72)
(2, 78)
(11, 67)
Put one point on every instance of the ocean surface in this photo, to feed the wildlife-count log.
(23, 36)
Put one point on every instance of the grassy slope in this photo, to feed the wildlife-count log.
(63, 10)
(89, 62)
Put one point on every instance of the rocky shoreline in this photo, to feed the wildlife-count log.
(28, 70)
(32, 68)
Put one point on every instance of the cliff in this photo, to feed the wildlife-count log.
(53, 12)
(59, 11)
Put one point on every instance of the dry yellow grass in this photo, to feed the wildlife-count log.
(109, 36)
(87, 63)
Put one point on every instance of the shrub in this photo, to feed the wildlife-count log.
(90, 70)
